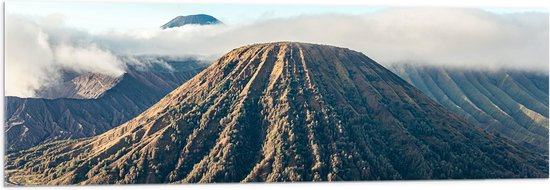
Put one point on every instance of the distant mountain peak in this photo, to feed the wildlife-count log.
(199, 19)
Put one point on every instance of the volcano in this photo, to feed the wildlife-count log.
(279, 112)
(199, 19)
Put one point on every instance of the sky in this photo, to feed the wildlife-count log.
(43, 39)
(101, 16)
(122, 16)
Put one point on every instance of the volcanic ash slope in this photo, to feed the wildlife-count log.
(284, 112)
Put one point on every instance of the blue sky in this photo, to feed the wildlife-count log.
(123, 16)
(102, 16)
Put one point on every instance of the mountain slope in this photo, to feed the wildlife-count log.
(31, 121)
(513, 104)
(199, 19)
(283, 112)
(85, 86)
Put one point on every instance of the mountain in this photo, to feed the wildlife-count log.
(513, 104)
(85, 86)
(199, 19)
(283, 112)
(32, 121)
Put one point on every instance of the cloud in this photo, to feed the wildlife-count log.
(36, 55)
(468, 38)
(88, 59)
(454, 37)
(28, 55)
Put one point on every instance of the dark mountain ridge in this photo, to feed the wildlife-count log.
(31, 121)
(198, 19)
(513, 104)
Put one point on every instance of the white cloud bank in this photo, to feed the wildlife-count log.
(468, 38)
(36, 54)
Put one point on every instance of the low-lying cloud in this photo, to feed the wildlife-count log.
(466, 38)
(36, 55)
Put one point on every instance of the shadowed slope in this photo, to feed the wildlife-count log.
(513, 104)
(283, 112)
(32, 121)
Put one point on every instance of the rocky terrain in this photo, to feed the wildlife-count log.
(513, 104)
(283, 112)
(85, 86)
(32, 121)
